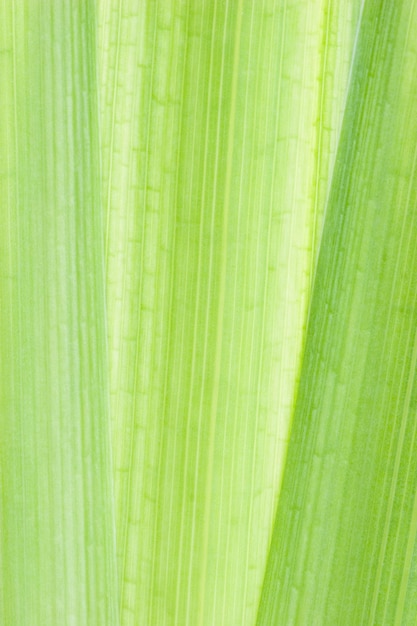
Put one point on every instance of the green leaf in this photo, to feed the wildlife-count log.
(166, 167)
(57, 535)
(219, 126)
(344, 543)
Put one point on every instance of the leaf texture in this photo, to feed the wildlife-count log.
(219, 125)
(57, 537)
(343, 550)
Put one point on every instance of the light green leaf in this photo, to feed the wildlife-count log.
(344, 544)
(219, 127)
(57, 535)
